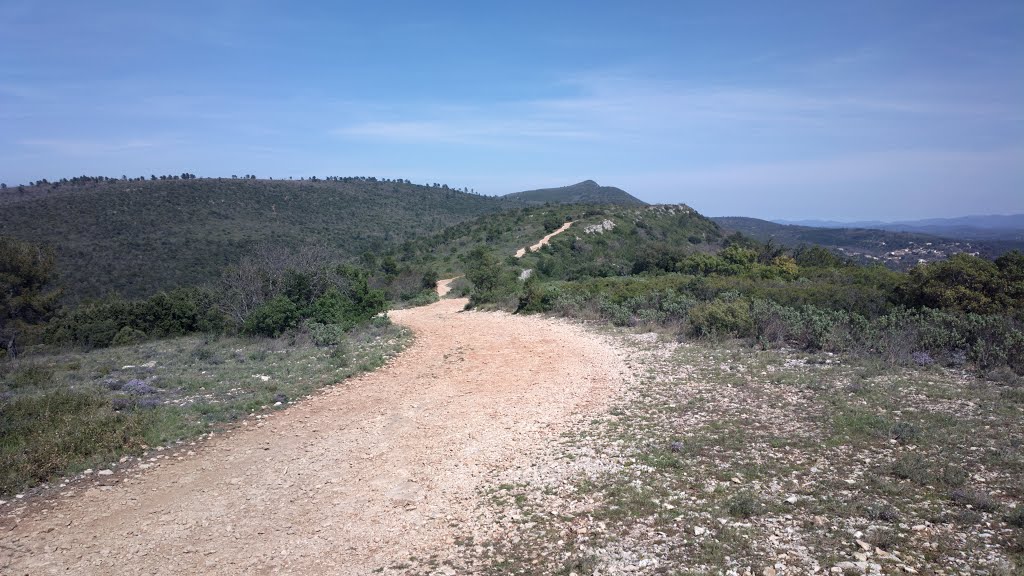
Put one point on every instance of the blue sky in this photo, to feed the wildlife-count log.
(841, 110)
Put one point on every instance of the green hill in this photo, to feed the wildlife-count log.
(608, 240)
(586, 192)
(138, 237)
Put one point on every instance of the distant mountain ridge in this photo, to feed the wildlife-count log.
(981, 227)
(586, 192)
(894, 248)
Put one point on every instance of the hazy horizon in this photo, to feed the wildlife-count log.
(867, 111)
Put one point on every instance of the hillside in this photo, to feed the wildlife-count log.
(609, 240)
(586, 192)
(893, 248)
(137, 237)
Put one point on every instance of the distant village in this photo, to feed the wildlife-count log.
(911, 255)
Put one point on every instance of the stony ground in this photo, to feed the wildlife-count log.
(736, 461)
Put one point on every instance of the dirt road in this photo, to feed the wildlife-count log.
(361, 477)
(543, 241)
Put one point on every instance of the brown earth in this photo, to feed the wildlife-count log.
(361, 477)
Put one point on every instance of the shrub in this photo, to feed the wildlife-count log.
(533, 296)
(325, 334)
(272, 318)
(493, 281)
(333, 308)
(977, 499)
(127, 336)
(115, 321)
(743, 505)
(430, 278)
(721, 318)
(1015, 517)
(26, 297)
(422, 298)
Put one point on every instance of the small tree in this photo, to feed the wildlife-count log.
(492, 281)
(27, 299)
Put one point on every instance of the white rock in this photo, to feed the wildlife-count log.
(793, 499)
(699, 530)
(105, 472)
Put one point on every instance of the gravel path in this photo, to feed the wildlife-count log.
(361, 477)
(543, 241)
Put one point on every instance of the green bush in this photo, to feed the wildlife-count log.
(98, 324)
(325, 334)
(272, 318)
(128, 335)
(722, 317)
(423, 298)
(493, 281)
(969, 284)
(533, 296)
(333, 308)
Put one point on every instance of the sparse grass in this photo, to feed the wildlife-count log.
(65, 412)
(727, 458)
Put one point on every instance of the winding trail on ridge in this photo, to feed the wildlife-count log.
(543, 241)
(360, 477)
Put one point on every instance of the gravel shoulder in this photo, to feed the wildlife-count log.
(372, 474)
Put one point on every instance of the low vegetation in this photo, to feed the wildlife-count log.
(668, 267)
(81, 386)
(67, 411)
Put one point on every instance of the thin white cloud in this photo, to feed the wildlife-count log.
(618, 106)
(81, 147)
(465, 129)
(893, 166)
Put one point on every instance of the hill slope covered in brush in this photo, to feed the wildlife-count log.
(137, 237)
(586, 192)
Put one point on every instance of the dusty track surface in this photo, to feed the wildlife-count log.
(361, 477)
(543, 241)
